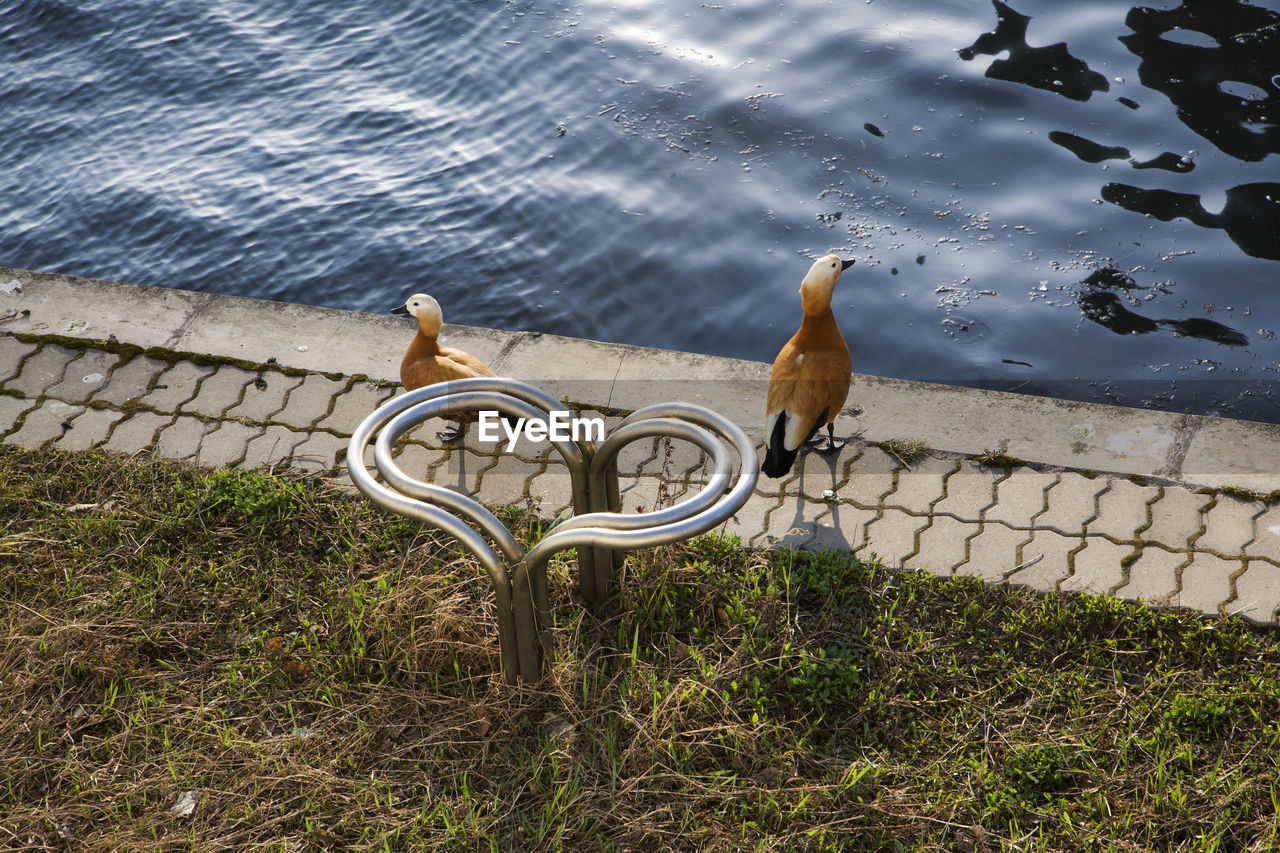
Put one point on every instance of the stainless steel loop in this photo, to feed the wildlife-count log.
(597, 529)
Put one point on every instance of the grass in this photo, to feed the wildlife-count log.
(320, 675)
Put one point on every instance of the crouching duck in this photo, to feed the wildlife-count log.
(425, 362)
(810, 377)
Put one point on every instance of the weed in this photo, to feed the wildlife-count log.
(998, 459)
(905, 450)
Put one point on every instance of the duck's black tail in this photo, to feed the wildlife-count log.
(777, 459)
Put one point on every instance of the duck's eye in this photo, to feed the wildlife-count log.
(833, 265)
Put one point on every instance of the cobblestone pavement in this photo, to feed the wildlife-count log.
(1166, 543)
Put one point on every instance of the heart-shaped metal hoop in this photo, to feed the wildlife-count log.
(598, 529)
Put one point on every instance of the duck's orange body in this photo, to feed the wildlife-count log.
(425, 362)
(810, 378)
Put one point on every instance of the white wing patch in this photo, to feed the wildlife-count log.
(795, 433)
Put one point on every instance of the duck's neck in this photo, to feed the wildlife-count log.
(423, 345)
(818, 326)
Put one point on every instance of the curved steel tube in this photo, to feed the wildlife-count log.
(439, 495)
(713, 421)
(436, 517)
(598, 528)
(610, 533)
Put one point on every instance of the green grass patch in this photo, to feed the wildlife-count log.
(322, 675)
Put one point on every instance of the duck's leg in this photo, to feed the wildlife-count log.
(827, 445)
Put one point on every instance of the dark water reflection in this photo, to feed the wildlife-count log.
(1101, 303)
(1251, 216)
(1202, 80)
(660, 174)
(1050, 68)
(1225, 88)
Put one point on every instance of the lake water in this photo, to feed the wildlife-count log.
(1070, 199)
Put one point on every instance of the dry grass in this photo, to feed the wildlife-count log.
(320, 674)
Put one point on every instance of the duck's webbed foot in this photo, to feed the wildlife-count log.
(826, 444)
(452, 434)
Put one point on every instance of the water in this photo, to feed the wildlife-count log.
(1069, 199)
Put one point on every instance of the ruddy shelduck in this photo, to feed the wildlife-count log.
(810, 377)
(425, 362)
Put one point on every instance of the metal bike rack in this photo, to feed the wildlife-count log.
(599, 531)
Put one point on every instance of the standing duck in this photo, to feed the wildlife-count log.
(810, 376)
(425, 362)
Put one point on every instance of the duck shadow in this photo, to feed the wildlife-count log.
(805, 531)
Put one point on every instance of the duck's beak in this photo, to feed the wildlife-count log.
(403, 309)
(844, 265)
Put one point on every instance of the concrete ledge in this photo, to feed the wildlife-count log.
(1193, 449)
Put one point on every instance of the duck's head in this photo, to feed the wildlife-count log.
(426, 310)
(820, 282)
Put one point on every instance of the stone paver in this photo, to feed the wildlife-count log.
(1229, 526)
(844, 527)
(136, 432)
(1047, 560)
(41, 370)
(1021, 497)
(920, 486)
(551, 491)
(1099, 566)
(12, 410)
(310, 401)
(1257, 593)
(181, 439)
(84, 375)
(219, 392)
(12, 352)
(264, 396)
(1122, 510)
(129, 381)
(1266, 535)
(89, 429)
(993, 553)
(320, 451)
(944, 545)
(1153, 576)
(746, 523)
(45, 424)
(225, 445)
(800, 523)
(1176, 518)
(175, 386)
(272, 447)
(1073, 502)
(818, 473)
(892, 536)
(353, 406)
(970, 490)
(868, 478)
(1206, 583)
(421, 463)
(503, 483)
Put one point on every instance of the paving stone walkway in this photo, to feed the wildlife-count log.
(1041, 526)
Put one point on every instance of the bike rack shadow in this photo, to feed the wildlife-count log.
(599, 531)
